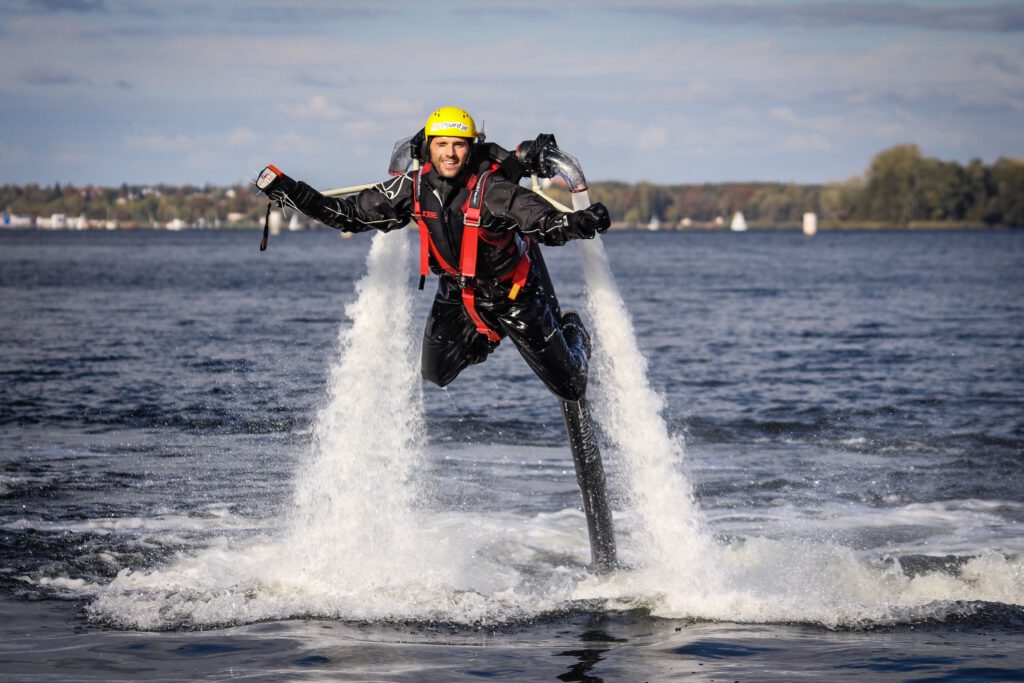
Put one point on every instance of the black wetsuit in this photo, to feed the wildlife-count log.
(509, 212)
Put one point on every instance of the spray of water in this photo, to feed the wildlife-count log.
(668, 527)
(355, 494)
(354, 544)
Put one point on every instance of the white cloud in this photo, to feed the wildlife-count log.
(786, 115)
(830, 123)
(316, 108)
(158, 143)
(812, 142)
(360, 128)
(242, 137)
(651, 137)
(11, 154)
(395, 108)
(298, 143)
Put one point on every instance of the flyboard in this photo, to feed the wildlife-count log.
(541, 158)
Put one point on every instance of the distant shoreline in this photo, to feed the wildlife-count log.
(902, 189)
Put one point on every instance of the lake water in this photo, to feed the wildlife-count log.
(219, 464)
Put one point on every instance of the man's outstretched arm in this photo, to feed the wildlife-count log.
(537, 218)
(386, 206)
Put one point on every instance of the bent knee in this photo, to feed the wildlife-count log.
(436, 378)
(573, 391)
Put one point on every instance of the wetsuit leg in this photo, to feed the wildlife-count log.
(450, 340)
(532, 326)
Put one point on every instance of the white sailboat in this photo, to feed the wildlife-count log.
(810, 223)
(293, 223)
(739, 223)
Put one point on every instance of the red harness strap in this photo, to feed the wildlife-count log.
(425, 243)
(468, 255)
(427, 246)
(520, 274)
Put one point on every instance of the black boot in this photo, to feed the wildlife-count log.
(575, 333)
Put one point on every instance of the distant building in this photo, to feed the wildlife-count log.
(276, 220)
(57, 221)
(22, 221)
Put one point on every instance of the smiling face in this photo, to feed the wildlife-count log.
(448, 155)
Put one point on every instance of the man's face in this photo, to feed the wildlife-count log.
(448, 155)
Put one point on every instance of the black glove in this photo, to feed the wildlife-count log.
(273, 183)
(276, 186)
(587, 222)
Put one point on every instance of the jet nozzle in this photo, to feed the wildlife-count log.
(543, 158)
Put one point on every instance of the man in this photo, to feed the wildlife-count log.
(477, 232)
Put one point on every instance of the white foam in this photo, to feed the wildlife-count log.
(766, 580)
(116, 525)
(473, 567)
(959, 527)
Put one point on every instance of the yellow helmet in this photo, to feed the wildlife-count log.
(450, 122)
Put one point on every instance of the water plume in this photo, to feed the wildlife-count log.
(354, 495)
(667, 525)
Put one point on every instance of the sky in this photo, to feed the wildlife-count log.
(105, 92)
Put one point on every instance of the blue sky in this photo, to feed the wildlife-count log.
(110, 91)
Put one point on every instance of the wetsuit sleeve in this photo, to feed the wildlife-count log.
(531, 213)
(386, 206)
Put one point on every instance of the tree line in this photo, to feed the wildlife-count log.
(900, 188)
(137, 205)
